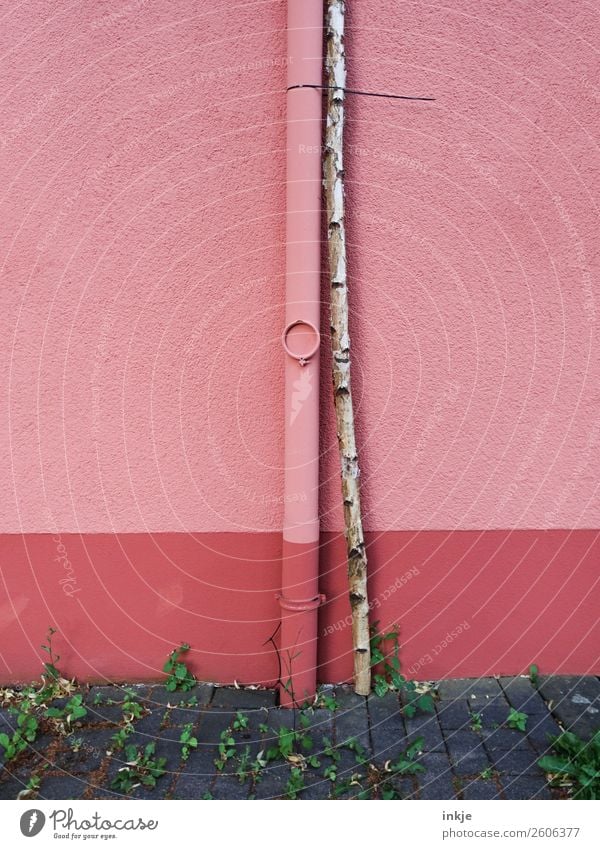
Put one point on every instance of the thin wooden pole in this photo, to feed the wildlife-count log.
(333, 173)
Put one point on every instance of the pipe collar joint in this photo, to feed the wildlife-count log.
(298, 605)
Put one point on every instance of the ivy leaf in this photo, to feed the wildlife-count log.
(425, 703)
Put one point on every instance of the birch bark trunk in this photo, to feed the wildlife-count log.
(333, 173)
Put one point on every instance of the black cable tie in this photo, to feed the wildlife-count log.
(355, 91)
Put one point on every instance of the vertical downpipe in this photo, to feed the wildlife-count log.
(299, 597)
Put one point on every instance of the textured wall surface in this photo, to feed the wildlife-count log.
(142, 175)
(142, 166)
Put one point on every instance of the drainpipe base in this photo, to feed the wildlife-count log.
(299, 602)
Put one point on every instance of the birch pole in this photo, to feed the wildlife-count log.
(333, 174)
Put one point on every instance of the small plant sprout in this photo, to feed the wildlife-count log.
(132, 709)
(295, 783)
(326, 700)
(406, 763)
(244, 768)
(188, 741)
(476, 722)
(73, 711)
(359, 752)
(179, 676)
(226, 749)
(240, 722)
(25, 733)
(50, 666)
(575, 764)
(385, 650)
(30, 790)
(141, 767)
(330, 772)
(517, 720)
(75, 743)
(120, 737)
(534, 674)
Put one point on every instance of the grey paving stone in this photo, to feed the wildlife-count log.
(492, 712)
(27, 763)
(388, 733)
(201, 762)
(467, 753)
(317, 787)
(272, 782)
(348, 766)
(465, 688)
(453, 688)
(105, 792)
(208, 733)
(428, 727)
(275, 720)
(150, 724)
(557, 687)
(62, 787)
(161, 697)
(406, 788)
(503, 739)
(173, 726)
(526, 787)
(210, 725)
(347, 698)
(377, 724)
(244, 700)
(167, 749)
(10, 788)
(453, 715)
(539, 731)
(84, 752)
(517, 762)
(381, 707)
(142, 692)
(437, 780)
(480, 789)
(251, 738)
(321, 724)
(110, 708)
(175, 713)
(171, 750)
(15, 775)
(8, 722)
(177, 718)
(523, 696)
(352, 721)
(192, 786)
(575, 702)
(161, 791)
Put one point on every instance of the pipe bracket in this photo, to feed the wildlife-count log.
(302, 358)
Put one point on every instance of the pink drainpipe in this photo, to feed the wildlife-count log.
(299, 597)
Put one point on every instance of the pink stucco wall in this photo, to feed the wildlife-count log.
(142, 167)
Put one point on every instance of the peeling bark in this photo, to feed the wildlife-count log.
(333, 174)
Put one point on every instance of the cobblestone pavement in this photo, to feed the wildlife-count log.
(467, 750)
